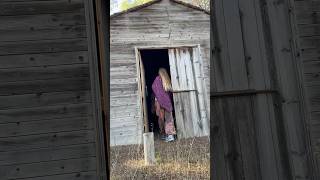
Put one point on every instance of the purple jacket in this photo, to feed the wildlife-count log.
(163, 97)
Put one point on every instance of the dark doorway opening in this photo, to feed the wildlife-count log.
(152, 61)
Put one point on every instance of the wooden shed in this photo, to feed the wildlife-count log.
(265, 89)
(161, 33)
(51, 121)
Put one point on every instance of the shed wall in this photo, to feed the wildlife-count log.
(161, 24)
(47, 121)
(308, 27)
(264, 136)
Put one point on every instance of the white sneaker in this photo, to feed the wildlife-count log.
(170, 138)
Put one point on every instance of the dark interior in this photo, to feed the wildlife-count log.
(152, 61)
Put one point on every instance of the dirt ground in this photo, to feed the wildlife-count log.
(182, 159)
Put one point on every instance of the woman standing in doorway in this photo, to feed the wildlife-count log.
(162, 89)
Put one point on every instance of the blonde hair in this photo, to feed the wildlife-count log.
(166, 82)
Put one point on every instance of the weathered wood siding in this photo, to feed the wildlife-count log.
(189, 98)
(258, 123)
(47, 121)
(308, 28)
(163, 23)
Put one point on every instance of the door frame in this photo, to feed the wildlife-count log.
(98, 50)
(140, 70)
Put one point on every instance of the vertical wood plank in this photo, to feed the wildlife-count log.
(179, 116)
(148, 142)
(176, 97)
(173, 69)
(235, 44)
(194, 106)
(188, 118)
(248, 138)
(218, 166)
(200, 87)
(221, 64)
(282, 37)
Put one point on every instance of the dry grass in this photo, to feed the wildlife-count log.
(182, 159)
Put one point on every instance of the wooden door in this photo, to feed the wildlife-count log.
(188, 92)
